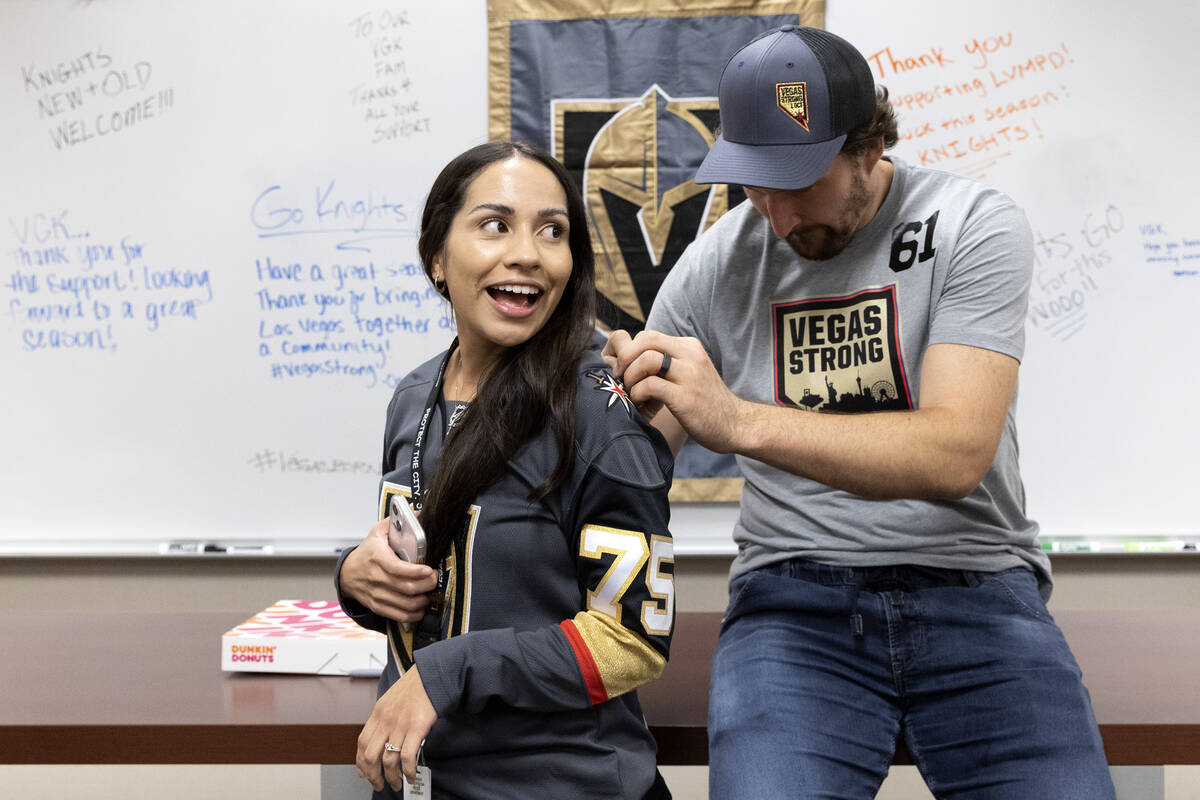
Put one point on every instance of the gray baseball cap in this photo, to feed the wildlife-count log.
(788, 99)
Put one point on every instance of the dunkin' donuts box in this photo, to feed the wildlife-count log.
(313, 637)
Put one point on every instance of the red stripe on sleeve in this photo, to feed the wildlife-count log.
(587, 665)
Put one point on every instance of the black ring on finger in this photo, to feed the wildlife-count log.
(666, 365)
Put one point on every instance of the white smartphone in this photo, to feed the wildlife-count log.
(405, 534)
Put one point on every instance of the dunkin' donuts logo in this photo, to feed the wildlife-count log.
(792, 99)
(258, 654)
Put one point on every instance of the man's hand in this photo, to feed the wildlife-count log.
(385, 583)
(939, 451)
(699, 402)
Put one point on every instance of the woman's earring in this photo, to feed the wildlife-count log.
(440, 285)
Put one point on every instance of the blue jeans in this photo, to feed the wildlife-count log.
(820, 669)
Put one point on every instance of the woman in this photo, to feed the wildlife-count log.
(543, 495)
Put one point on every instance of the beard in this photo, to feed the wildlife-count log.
(823, 242)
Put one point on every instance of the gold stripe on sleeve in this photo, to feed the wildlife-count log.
(625, 661)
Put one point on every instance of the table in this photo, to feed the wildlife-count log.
(146, 688)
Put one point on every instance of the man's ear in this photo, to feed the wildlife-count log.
(871, 155)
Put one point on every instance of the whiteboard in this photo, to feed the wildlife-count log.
(1085, 114)
(182, 159)
(210, 278)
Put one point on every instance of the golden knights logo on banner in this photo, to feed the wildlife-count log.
(624, 94)
(643, 207)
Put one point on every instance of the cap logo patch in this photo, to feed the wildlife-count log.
(792, 99)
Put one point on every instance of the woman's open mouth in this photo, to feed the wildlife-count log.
(513, 298)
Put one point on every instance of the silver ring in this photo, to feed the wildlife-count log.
(391, 748)
(666, 365)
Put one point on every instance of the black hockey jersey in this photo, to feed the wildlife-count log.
(555, 610)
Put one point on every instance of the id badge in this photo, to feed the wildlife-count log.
(422, 786)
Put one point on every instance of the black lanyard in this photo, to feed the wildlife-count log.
(429, 629)
(418, 449)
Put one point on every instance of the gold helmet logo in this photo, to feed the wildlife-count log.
(637, 184)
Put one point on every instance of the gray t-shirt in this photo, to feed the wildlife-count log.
(945, 260)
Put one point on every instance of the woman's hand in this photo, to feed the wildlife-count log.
(402, 717)
(385, 583)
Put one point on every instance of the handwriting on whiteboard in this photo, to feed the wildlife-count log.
(1162, 248)
(385, 101)
(71, 290)
(91, 95)
(358, 220)
(967, 106)
(346, 305)
(1068, 269)
(268, 459)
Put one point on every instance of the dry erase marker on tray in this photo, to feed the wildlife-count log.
(1119, 547)
(180, 548)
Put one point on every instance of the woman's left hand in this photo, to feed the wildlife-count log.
(402, 717)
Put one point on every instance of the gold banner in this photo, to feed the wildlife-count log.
(502, 12)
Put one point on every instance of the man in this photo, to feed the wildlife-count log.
(887, 582)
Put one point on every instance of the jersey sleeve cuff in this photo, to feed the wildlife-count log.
(587, 665)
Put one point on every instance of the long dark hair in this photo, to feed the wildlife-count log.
(531, 382)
